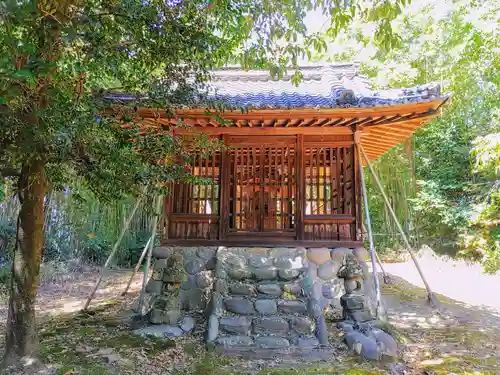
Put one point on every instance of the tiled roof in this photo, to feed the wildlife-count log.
(322, 86)
(325, 86)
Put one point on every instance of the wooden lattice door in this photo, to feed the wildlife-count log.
(262, 185)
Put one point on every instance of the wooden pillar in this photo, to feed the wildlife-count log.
(225, 171)
(301, 187)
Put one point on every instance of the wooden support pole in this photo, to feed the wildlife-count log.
(115, 248)
(431, 297)
(154, 226)
(137, 266)
(370, 235)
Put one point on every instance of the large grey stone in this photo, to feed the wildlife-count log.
(306, 342)
(193, 299)
(213, 328)
(271, 289)
(292, 307)
(288, 274)
(271, 342)
(258, 261)
(215, 305)
(161, 252)
(284, 261)
(233, 260)
(318, 255)
(206, 253)
(314, 308)
(302, 325)
(388, 346)
(365, 346)
(234, 341)
(266, 306)
(159, 331)
(271, 325)
(204, 279)
(187, 323)
(154, 287)
(194, 265)
(160, 264)
(242, 289)
(189, 283)
(293, 288)
(221, 286)
(339, 253)
(346, 326)
(239, 305)
(265, 273)
(328, 270)
(361, 254)
(321, 330)
(238, 273)
(239, 325)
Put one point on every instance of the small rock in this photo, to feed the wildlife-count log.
(318, 255)
(126, 362)
(270, 325)
(242, 289)
(159, 331)
(161, 252)
(288, 274)
(332, 289)
(204, 279)
(239, 305)
(187, 324)
(239, 325)
(302, 325)
(292, 307)
(234, 341)
(271, 342)
(270, 289)
(265, 273)
(328, 270)
(266, 306)
(194, 265)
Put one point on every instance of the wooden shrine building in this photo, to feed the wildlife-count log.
(290, 174)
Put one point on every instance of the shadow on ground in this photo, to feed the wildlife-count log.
(459, 339)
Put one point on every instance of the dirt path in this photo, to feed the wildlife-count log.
(460, 340)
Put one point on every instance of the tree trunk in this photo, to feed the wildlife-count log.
(22, 339)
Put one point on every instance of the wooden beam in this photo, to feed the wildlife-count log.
(304, 113)
(265, 131)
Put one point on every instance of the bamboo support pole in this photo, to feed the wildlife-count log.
(115, 248)
(137, 266)
(387, 278)
(431, 297)
(154, 226)
(370, 237)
